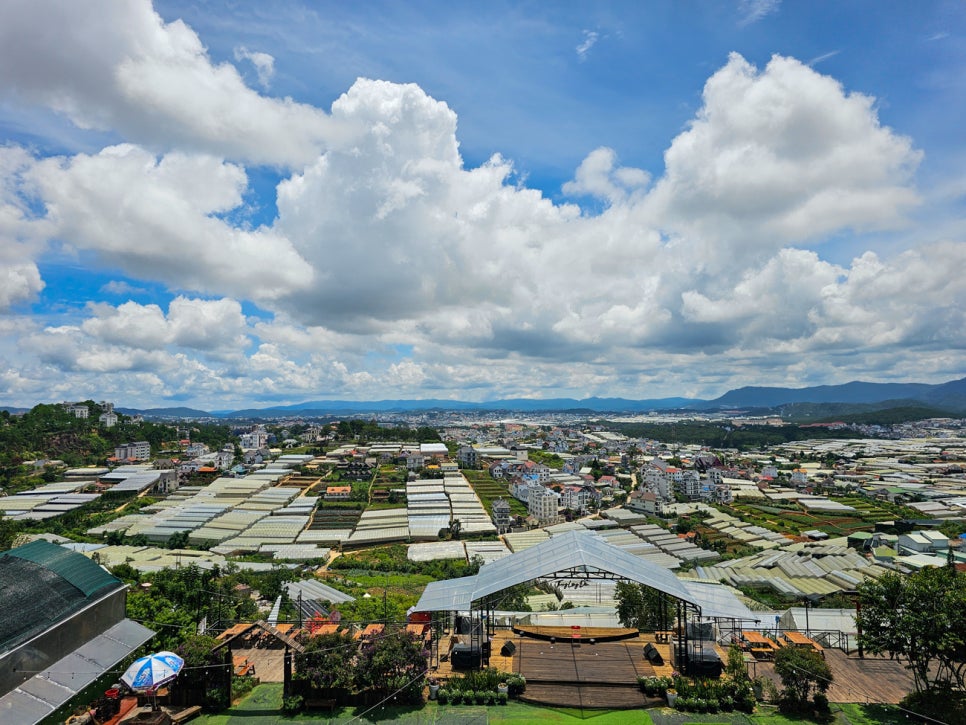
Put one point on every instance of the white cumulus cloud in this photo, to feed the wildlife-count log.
(151, 81)
(263, 63)
(158, 218)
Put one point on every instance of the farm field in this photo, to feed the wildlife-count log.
(489, 489)
(795, 520)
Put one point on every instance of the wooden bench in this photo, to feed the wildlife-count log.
(186, 714)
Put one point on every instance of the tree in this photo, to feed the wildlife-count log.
(638, 606)
(177, 540)
(802, 670)
(204, 670)
(512, 599)
(159, 613)
(389, 608)
(8, 531)
(920, 618)
(736, 669)
(393, 664)
(327, 661)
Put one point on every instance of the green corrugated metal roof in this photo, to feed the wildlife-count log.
(75, 568)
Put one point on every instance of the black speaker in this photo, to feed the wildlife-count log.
(508, 649)
(463, 656)
(652, 655)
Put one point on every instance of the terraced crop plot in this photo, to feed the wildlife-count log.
(334, 518)
(490, 489)
(797, 521)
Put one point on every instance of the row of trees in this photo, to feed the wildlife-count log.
(370, 430)
(174, 601)
(723, 435)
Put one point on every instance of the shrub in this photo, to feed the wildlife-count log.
(654, 686)
(292, 704)
(469, 697)
(821, 703)
(746, 703)
(501, 698)
(241, 686)
(477, 680)
(442, 696)
(455, 697)
(516, 684)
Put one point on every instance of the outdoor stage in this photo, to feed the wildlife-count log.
(574, 672)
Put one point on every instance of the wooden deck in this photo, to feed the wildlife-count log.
(875, 679)
(605, 663)
(577, 674)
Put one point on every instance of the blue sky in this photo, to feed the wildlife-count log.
(231, 204)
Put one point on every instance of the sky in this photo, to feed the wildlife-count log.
(223, 205)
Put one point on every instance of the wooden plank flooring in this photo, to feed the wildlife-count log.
(565, 674)
(872, 679)
(601, 663)
(605, 674)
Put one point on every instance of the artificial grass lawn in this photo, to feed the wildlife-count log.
(262, 706)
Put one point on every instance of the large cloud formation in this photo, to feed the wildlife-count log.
(394, 270)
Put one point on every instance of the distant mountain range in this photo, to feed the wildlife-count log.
(948, 397)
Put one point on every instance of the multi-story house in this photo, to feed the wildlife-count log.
(575, 498)
(224, 458)
(502, 519)
(194, 450)
(78, 411)
(468, 457)
(139, 451)
(689, 485)
(543, 504)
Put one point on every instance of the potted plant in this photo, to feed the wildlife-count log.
(672, 696)
(504, 688)
(433, 688)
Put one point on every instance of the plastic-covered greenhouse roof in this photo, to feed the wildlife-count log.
(41, 695)
(77, 570)
(314, 590)
(48, 581)
(576, 550)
